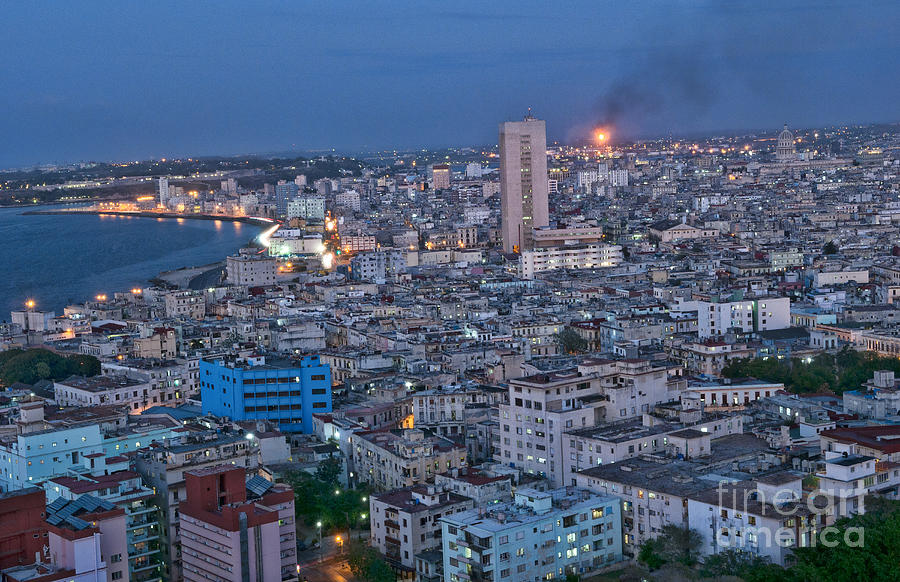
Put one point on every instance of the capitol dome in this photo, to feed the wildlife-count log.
(784, 151)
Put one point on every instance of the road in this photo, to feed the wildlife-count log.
(331, 570)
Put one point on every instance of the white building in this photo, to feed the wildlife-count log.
(764, 518)
(540, 536)
(378, 266)
(348, 199)
(185, 304)
(618, 177)
(163, 187)
(590, 256)
(295, 242)
(307, 207)
(251, 270)
(747, 315)
(406, 521)
(848, 479)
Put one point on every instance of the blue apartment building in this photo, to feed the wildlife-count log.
(286, 392)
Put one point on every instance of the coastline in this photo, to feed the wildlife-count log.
(140, 214)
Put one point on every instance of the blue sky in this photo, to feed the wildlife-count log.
(126, 80)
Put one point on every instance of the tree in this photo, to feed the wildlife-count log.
(366, 563)
(329, 470)
(29, 366)
(731, 562)
(42, 370)
(649, 556)
(673, 545)
(830, 248)
(570, 342)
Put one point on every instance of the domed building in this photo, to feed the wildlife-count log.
(784, 151)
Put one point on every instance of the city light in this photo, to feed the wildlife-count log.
(30, 304)
(137, 291)
(101, 297)
(327, 260)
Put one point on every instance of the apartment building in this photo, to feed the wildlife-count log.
(232, 529)
(163, 467)
(402, 458)
(406, 522)
(541, 535)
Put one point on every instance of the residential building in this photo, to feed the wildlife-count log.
(406, 522)
(591, 256)
(286, 392)
(401, 458)
(163, 468)
(23, 533)
(252, 270)
(541, 535)
(233, 529)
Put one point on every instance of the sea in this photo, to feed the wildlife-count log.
(57, 260)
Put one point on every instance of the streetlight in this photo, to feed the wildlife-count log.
(340, 544)
(30, 304)
(337, 491)
(319, 525)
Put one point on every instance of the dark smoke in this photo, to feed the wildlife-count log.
(665, 88)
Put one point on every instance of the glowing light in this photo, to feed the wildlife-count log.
(264, 238)
(137, 291)
(30, 304)
(327, 260)
(601, 137)
(101, 297)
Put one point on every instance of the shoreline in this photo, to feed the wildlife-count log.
(143, 214)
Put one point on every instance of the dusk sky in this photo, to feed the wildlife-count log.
(129, 80)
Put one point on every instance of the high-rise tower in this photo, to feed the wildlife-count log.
(523, 181)
(163, 192)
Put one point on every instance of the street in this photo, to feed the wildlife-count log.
(331, 570)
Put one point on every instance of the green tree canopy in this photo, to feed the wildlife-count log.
(570, 342)
(29, 366)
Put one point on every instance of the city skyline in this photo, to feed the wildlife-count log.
(133, 84)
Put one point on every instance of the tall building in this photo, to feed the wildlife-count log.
(440, 176)
(163, 468)
(288, 393)
(22, 529)
(236, 529)
(163, 191)
(284, 193)
(524, 185)
(785, 151)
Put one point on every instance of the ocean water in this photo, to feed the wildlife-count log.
(61, 259)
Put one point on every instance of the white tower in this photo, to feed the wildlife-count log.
(163, 191)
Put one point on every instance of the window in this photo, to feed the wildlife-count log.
(115, 558)
(317, 377)
(117, 575)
